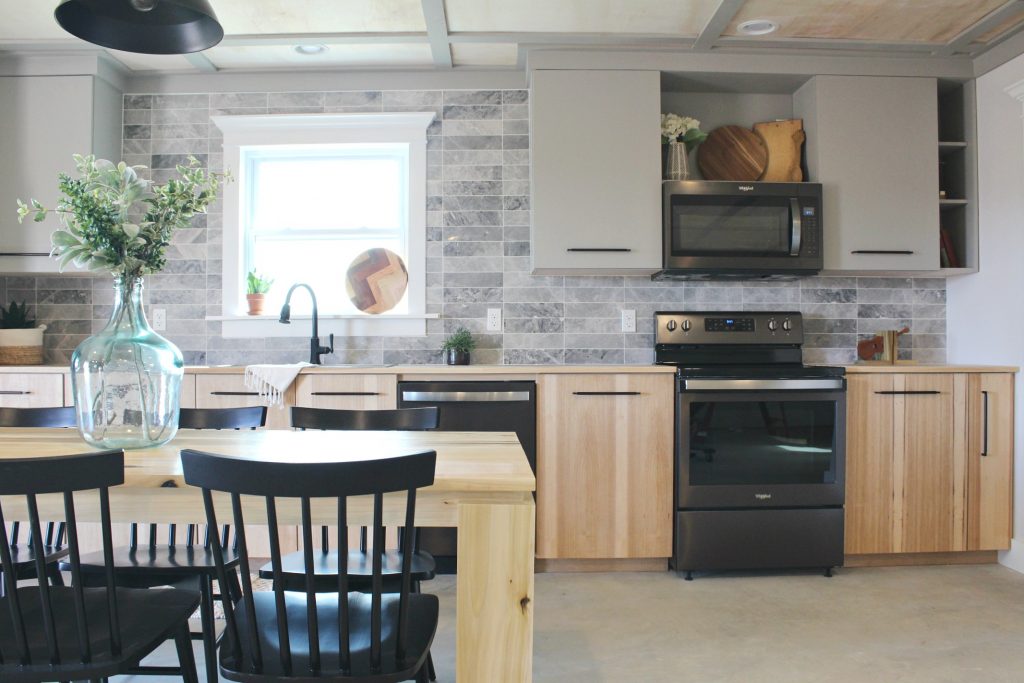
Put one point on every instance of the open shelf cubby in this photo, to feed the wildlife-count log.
(957, 183)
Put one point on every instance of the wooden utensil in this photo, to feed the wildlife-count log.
(732, 153)
(784, 140)
(376, 280)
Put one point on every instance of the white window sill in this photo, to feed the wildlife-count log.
(394, 325)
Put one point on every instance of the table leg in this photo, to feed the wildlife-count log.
(494, 605)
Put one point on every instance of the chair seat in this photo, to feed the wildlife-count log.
(173, 562)
(147, 618)
(360, 568)
(24, 558)
(423, 614)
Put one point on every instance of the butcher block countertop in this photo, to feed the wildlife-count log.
(438, 369)
(923, 368)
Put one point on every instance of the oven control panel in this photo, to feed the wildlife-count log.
(740, 327)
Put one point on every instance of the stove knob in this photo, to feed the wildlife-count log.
(671, 325)
(686, 325)
(787, 325)
(772, 325)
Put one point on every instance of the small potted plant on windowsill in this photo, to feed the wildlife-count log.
(21, 342)
(256, 289)
(457, 347)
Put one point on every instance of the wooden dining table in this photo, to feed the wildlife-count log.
(483, 486)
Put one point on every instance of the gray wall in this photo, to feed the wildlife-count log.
(477, 255)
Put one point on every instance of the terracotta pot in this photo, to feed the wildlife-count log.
(453, 357)
(255, 303)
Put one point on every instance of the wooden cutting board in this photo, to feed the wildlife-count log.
(732, 153)
(785, 140)
(376, 280)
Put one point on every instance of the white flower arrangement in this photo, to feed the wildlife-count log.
(686, 129)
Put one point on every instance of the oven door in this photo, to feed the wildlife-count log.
(760, 443)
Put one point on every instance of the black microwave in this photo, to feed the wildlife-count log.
(743, 230)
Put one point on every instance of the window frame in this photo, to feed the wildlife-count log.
(245, 132)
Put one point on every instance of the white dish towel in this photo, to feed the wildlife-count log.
(271, 381)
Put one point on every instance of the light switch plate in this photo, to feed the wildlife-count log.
(494, 320)
(628, 320)
(159, 319)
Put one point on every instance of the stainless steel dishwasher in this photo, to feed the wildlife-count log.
(472, 406)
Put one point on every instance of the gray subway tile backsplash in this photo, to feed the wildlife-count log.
(477, 255)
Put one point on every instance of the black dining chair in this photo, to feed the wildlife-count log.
(190, 565)
(61, 633)
(54, 549)
(279, 635)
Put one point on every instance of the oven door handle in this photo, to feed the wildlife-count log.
(761, 384)
(796, 236)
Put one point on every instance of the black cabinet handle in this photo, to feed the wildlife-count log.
(909, 393)
(24, 253)
(14, 392)
(984, 420)
(344, 393)
(897, 252)
(234, 393)
(616, 249)
(606, 393)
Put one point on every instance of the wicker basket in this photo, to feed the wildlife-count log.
(22, 347)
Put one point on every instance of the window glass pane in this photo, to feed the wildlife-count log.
(321, 264)
(346, 193)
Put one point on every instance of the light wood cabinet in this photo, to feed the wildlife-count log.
(871, 143)
(347, 392)
(596, 171)
(917, 481)
(31, 390)
(604, 466)
(229, 391)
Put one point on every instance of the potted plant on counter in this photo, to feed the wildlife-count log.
(256, 289)
(457, 347)
(21, 341)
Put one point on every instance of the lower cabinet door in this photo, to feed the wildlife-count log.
(990, 462)
(229, 391)
(31, 390)
(346, 392)
(604, 466)
(870, 501)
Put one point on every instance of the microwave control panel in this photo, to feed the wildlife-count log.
(809, 220)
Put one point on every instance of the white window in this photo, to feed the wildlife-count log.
(311, 192)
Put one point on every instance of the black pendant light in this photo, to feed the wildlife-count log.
(155, 27)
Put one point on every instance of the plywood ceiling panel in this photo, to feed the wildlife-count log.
(244, 17)
(140, 62)
(910, 21)
(352, 54)
(485, 54)
(678, 17)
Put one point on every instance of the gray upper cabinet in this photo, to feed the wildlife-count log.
(47, 119)
(871, 142)
(596, 172)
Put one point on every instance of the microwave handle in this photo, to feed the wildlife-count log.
(796, 234)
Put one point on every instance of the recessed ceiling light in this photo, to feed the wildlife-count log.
(757, 27)
(310, 49)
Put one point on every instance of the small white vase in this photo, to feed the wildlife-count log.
(677, 164)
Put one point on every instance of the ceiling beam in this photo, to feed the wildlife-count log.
(437, 33)
(837, 45)
(201, 62)
(718, 22)
(962, 42)
(257, 40)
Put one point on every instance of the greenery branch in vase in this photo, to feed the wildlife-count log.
(681, 134)
(126, 378)
(256, 288)
(457, 347)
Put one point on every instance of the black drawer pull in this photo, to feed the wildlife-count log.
(897, 252)
(606, 393)
(909, 393)
(234, 393)
(615, 249)
(14, 392)
(984, 420)
(345, 393)
(24, 253)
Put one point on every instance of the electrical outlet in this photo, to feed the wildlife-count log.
(159, 319)
(494, 320)
(628, 320)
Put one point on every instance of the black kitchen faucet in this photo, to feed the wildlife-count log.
(315, 350)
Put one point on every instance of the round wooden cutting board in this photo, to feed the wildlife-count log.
(732, 153)
(376, 280)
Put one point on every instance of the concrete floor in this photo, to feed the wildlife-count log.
(892, 625)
